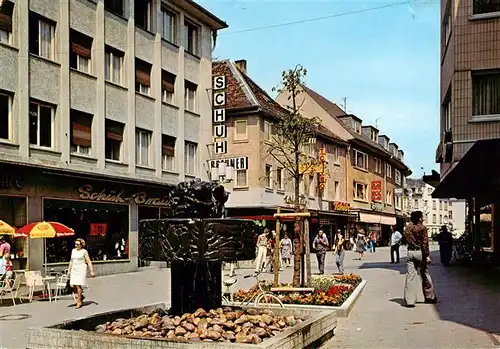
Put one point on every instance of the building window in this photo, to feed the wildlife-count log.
(389, 197)
(485, 94)
(114, 140)
(142, 77)
(5, 116)
(450, 214)
(397, 177)
(447, 26)
(240, 130)
(41, 125)
(426, 203)
(190, 96)
(191, 32)
(6, 11)
(80, 55)
(279, 178)
(42, 36)
(169, 25)
(388, 170)
(374, 136)
(357, 127)
(447, 113)
(115, 6)
(312, 186)
(268, 178)
(485, 6)
(415, 203)
(81, 132)
(168, 87)
(190, 158)
(168, 153)
(268, 130)
(241, 178)
(378, 165)
(434, 204)
(445, 205)
(397, 202)
(143, 14)
(360, 159)
(360, 191)
(440, 219)
(142, 147)
(336, 190)
(113, 65)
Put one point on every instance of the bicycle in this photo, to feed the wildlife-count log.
(263, 295)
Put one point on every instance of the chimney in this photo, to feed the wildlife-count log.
(242, 65)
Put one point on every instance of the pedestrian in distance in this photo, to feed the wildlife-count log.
(418, 261)
(361, 244)
(320, 244)
(339, 251)
(445, 240)
(77, 270)
(286, 250)
(261, 251)
(395, 243)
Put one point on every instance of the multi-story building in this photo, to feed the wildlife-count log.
(470, 112)
(376, 171)
(437, 212)
(261, 184)
(103, 104)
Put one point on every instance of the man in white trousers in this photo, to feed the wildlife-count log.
(261, 251)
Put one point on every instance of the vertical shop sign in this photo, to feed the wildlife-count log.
(219, 115)
(376, 190)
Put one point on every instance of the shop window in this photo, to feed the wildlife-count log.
(190, 96)
(190, 158)
(42, 36)
(142, 77)
(191, 32)
(114, 140)
(144, 14)
(80, 55)
(168, 153)
(115, 6)
(14, 212)
(81, 132)
(142, 147)
(6, 11)
(360, 191)
(113, 65)
(241, 179)
(268, 180)
(41, 130)
(5, 116)
(168, 87)
(169, 25)
(104, 227)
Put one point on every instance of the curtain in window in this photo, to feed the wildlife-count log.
(46, 38)
(486, 94)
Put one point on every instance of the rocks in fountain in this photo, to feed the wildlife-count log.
(217, 325)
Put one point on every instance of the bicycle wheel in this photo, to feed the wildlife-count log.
(268, 296)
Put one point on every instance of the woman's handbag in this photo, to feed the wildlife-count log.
(69, 289)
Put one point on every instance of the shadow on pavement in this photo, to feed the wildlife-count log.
(401, 266)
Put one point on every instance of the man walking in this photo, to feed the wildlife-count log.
(339, 252)
(418, 261)
(395, 243)
(320, 244)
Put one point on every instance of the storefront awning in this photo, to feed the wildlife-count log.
(476, 175)
(376, 219)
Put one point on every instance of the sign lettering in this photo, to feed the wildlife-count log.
(220, 147)
(376, 189)
(118, 197)
(289, 200)
(220, 131)
(7, 182)
(219, 114)
(377, 206)
(236, 163)
(340, 206)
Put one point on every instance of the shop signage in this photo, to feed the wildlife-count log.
(319, 167)
(398, 191)
(236, 163)
(87, 192)
(289, 200)
(219, 115)
(340, 206)
(7, 182)
(98, 229)
(377, 206)
(376, 190)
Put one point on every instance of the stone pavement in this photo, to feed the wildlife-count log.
(467, 316)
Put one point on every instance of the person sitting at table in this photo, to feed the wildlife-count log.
(9, 270)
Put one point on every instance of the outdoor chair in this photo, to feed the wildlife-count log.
(34, 279)
(11, 287)
(62, 280)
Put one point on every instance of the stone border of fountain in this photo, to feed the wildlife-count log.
(342, 311)
(318, 327)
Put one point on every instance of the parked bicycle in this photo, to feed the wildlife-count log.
(262, 296)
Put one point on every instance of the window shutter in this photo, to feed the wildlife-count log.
(6, 16)
(80, 50)
(81, 130)
(168, 147)
(142, 73)
(168, 81)
(81, 44)
(114, 136)
(114, 131)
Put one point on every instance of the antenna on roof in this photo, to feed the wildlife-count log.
(376, 122)
(344, 104)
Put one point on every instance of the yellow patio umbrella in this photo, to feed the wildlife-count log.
(6, 229)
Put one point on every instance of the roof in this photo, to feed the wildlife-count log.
(415, 183)
(337, 113)
(243, 93)
(199, 11)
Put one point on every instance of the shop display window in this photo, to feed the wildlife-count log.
(104, 227)
(13, 212)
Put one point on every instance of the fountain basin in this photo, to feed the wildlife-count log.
(317, 327)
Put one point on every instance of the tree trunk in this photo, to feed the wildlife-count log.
(308, 252)
(297, 232)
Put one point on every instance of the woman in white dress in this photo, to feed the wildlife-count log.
(77, 270)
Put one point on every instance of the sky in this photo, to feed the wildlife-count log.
(384, 61)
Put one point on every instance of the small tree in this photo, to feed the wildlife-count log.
(291, 133)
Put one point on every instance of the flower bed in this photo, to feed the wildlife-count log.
(330, 290)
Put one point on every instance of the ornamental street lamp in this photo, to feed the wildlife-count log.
(222, 173)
